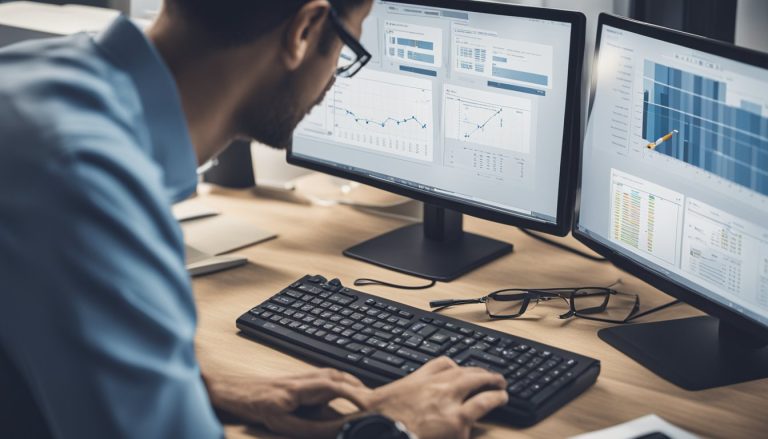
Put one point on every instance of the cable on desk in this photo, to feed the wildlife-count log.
(654, 310)
(563, 246)
(365, 282)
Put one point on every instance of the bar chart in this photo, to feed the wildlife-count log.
(688, 117)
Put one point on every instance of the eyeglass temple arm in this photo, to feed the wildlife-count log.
(449, 302)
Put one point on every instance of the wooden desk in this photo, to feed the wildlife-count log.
(311, 241)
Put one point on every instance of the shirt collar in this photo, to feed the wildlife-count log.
(130, 50)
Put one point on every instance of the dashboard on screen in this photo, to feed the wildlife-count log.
(461, 105)
(675, 167)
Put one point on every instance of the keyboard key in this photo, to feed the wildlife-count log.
(383, 335)
(413, 355)
(388, 358)
(497, 361)
(375, 342)
(294, 294)
(354, 347)
(439, 338)
(427, 330)
(354, 358)
(383, 368)
(414, 341)
(430, 348)
(283, 300)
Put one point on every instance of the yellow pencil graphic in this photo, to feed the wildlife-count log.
(662, 139)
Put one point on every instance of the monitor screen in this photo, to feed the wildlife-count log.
(455, 104)
(675, 167)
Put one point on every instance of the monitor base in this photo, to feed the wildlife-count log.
(438, 249)
(694, 353)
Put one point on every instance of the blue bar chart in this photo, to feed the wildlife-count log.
(686, 116)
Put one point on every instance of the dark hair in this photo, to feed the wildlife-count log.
(235, 22)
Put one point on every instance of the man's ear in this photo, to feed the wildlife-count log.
(303, 31)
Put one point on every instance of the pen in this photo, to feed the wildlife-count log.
(662, 140)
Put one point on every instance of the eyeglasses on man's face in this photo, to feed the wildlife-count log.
(353, 55)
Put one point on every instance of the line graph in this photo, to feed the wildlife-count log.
(484, 124)
(489, 119)
(383, 123)
(384, 112)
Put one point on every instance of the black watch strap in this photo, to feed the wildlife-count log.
(374, 426)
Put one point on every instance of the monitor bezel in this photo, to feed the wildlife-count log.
(571, 130)
(652, 277)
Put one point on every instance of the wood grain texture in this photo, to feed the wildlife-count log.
(311, 240)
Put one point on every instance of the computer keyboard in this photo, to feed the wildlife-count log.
(379, 340)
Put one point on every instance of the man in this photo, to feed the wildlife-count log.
(99, 135)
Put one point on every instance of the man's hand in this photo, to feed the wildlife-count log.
(296, 406)
(440, 400)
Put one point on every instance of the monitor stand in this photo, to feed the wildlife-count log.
(437, 249)
(695, 353)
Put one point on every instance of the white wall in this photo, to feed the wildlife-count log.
(591, 9)
(751, 24)
(146, 8)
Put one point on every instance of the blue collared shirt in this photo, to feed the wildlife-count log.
(97, 319)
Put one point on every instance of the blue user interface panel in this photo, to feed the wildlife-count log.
(462, 105)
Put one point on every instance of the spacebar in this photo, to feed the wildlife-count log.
(383, 368)
(287, 334)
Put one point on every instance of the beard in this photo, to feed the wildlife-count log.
(275, 123)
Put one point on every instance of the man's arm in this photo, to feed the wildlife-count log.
(96, 309)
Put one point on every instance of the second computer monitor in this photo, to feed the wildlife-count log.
(675, 191)
(466, 105)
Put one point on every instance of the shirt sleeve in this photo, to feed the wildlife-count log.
(96, 307)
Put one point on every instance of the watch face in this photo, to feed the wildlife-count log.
(373, 426)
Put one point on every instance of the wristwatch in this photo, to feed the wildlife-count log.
(374, 426)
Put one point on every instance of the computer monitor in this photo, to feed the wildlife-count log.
(471, 107)
(674, 189)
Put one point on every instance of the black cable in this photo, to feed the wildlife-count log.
(563, 246)
(365, 282)
(654, 310)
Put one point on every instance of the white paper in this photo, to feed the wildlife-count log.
(638, 428)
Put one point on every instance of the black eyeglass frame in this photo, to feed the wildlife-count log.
(570, 295)
(363, 56)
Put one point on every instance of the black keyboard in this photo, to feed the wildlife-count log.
(379, 341)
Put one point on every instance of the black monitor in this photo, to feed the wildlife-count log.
(674, 189)
(470, 107)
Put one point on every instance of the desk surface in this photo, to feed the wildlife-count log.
(311, 240)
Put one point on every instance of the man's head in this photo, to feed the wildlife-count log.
(288, 52)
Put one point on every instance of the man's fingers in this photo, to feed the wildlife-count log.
(333, 374)
(437, 365)
(349, 379)
(479, 405)
(323, 390)
(468, 380)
